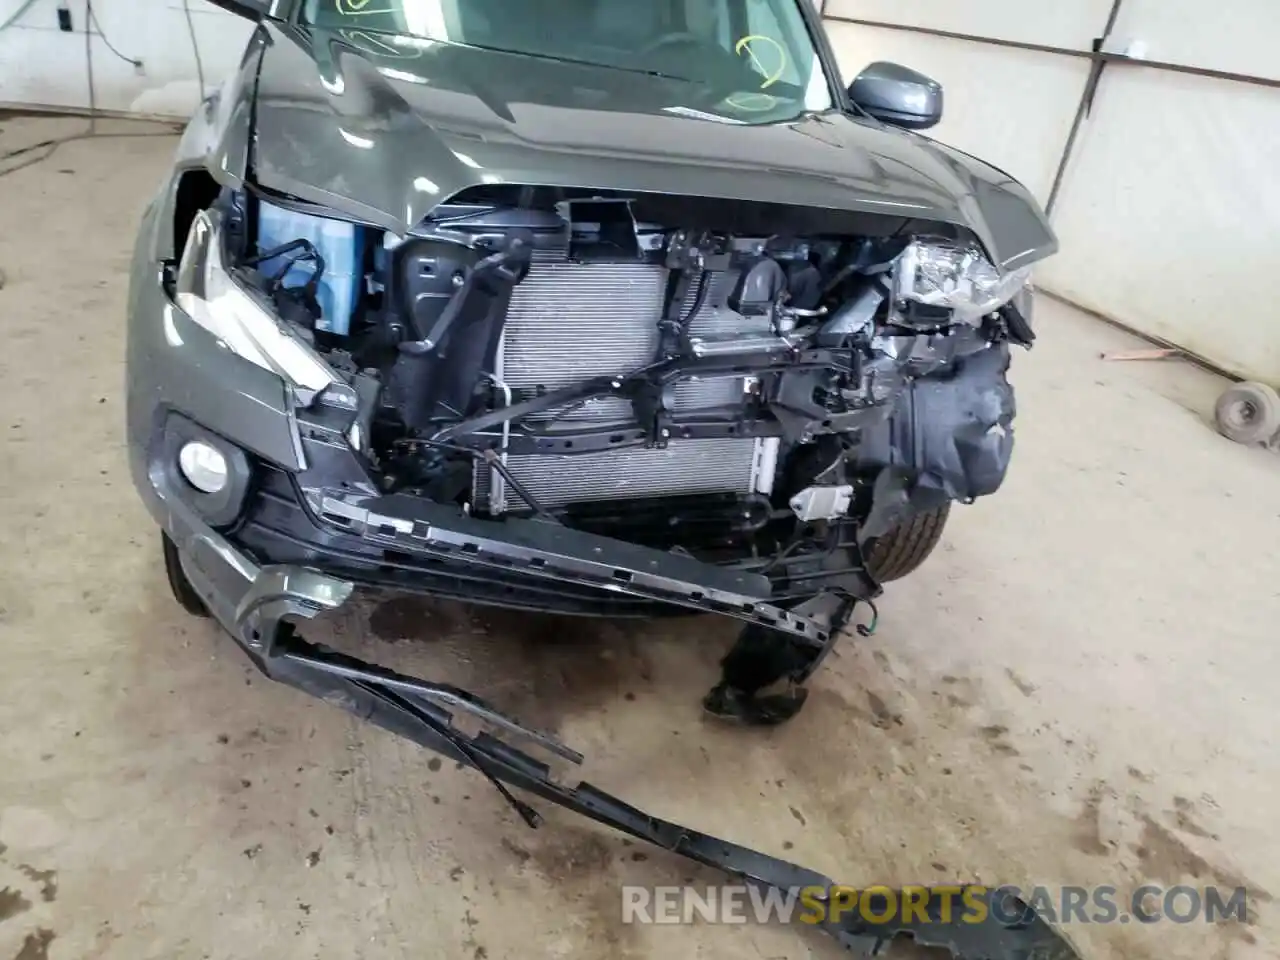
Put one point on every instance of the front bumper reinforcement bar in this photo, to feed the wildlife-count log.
(548, 551)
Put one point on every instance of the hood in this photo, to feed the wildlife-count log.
(385, 128)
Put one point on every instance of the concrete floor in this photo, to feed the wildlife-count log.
(1079, 688)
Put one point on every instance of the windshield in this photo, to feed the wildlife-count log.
(750, 57)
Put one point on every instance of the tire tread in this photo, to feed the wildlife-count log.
(903, 549)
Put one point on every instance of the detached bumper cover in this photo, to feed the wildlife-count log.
(259, 606)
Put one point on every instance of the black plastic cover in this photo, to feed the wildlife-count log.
(953, 433)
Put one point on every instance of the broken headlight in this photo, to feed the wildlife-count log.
(956, 277)
(207, 292)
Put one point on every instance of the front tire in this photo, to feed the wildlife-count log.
(904, 548)
(179, 585)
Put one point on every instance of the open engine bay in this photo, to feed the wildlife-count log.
(666, 371)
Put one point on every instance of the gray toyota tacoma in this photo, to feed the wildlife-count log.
(598, 307)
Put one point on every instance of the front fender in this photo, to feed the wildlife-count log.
(174, 364)
(218, 140)
(1001, 211)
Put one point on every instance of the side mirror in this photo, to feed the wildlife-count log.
(898, 95)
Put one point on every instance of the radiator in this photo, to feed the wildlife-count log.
(571, 321)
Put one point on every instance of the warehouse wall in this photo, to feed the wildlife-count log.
(1038, 95)
(1169, 214)
(40, 65)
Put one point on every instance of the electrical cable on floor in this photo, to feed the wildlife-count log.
(48, 147)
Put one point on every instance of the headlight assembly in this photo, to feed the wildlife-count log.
(206, 291)
(957, 277)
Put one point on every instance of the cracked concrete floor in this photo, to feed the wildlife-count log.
(1079, 688)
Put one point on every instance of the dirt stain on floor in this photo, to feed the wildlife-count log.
(959, 693)
(576, 859)
(996, 736)
(12, 903)
(1182, 817)
(884, 717)
(1088, 825)
(1166, 858)
(36, 945)
(522, 855)
(541, 669)
(1025, 687)
(581, 866)
(412, 618)
(48, 880)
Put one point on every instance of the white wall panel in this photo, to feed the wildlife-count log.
(1059, 23)
(41, 65)
(1012, 108)
(1170, 216)
(1237, 36)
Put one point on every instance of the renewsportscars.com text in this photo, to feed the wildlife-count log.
(1009, 905)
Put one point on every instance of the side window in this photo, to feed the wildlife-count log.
(772, 56)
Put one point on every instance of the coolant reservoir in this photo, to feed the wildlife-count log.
(340, 243)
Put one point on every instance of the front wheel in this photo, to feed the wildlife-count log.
(901, 550)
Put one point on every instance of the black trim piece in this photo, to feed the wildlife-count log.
(412, 709)
(544, 551)
(221, 509)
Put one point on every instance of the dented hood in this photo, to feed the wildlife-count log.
(385, 128)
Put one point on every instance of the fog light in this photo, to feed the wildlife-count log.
(203, 466)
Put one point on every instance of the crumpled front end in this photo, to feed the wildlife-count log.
(596, 404)
(579, 401)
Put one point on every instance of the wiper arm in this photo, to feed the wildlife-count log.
(556, 58)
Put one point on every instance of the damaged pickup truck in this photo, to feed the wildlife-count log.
(601, 307)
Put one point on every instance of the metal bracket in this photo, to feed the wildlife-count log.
(822, 502)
